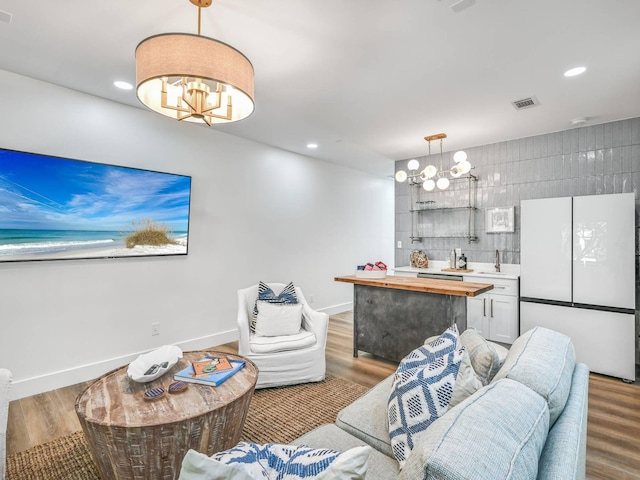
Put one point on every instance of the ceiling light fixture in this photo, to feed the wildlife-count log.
(575, 71)
(312, 145)
(426, 176)
(194, 78)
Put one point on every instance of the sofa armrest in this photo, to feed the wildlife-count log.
(564, 455)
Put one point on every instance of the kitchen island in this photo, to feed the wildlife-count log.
(394, 315)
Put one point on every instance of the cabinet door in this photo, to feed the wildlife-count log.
(503, 318)
(477, 314)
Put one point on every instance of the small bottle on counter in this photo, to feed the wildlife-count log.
(462, 262)
(452, 259)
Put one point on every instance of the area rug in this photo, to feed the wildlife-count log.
(276, 415)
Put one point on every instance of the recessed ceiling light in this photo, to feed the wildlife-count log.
(312, 145)
(123, 85)
(575, 71)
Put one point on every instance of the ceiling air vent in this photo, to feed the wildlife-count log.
(525, 103)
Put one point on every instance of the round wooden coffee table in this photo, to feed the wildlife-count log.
(131, 438)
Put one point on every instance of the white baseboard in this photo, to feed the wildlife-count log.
(342, 307)
(90, 371)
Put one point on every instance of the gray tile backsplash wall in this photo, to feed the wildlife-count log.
(582, 161)
(589, 160)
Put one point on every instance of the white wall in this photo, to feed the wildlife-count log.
(257, 213)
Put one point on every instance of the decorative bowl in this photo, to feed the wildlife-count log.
(149, 366)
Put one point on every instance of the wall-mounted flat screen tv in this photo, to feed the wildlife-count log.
(54, 208)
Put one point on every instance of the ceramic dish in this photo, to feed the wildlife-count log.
(149, 366)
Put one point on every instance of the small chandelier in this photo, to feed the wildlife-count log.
(431, 176)
(194, 78)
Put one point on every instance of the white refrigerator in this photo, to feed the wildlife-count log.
(577, 276)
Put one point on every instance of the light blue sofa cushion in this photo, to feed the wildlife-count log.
(497, 433)
(366, 418)
(565, 454)
(543, 360)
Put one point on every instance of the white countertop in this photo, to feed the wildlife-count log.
(480, 270)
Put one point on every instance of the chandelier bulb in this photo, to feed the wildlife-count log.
(460, 156)
(464, 166)
(429, 185)
(413, 165)
(430, 171)
(401, 176)
(443, 183)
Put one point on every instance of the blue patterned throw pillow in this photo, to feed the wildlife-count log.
(422, 388)
(248, 461)
(287, 295)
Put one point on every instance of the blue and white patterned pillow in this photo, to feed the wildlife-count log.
(287, 295)
(422, 388)
(273, 461)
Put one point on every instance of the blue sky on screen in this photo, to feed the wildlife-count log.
(41, 192)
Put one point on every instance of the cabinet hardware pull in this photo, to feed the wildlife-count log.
(484, 307)
(499, 287)
(492, 308)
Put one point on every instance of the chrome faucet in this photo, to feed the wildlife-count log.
(497, 260)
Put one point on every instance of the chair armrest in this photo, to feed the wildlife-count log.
(243, 324)
(316, 322)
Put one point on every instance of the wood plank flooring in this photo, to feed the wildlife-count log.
(613, 433)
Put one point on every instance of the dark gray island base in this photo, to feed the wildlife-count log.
(394, 315)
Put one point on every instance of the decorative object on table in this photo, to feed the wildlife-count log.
(149, 366)
(419, 259)
(153, 394)
(498, 220)
(372, 270)
(213, 379)
(211, 364)
(178, 387)
(426, 176)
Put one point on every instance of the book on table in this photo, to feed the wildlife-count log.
(214, 377)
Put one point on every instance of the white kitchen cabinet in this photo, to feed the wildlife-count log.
(495, 313)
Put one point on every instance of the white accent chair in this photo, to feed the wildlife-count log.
(284, 360)
(5, 385)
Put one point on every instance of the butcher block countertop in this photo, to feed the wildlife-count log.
(426, 285)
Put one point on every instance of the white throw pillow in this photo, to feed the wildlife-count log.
(276, 320)
(249, 461)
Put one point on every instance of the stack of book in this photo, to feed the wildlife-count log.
(210, 370)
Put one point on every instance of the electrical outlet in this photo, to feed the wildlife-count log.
(311, 298)
(399, 243)
(155, 329)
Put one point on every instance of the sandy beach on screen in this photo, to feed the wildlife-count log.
(106, 252)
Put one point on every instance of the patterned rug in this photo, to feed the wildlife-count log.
(276, 415)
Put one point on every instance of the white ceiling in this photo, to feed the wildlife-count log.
(365, 79)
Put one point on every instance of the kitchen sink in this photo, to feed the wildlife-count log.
(492, 273)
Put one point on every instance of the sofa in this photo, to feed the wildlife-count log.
(527, 420)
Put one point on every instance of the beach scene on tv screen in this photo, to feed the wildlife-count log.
(58, 208)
